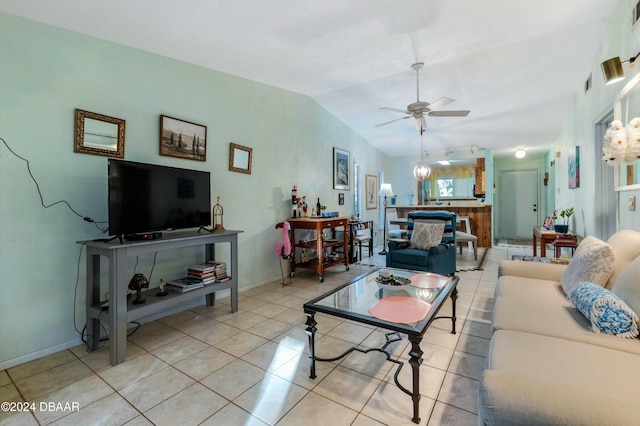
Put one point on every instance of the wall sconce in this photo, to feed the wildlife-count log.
(520, 153)
(612, 69)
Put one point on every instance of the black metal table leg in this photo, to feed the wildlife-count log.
(311, 332)
(415, 361)
(454, 297)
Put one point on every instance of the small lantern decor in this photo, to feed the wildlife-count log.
(137, 283)
(218, 212)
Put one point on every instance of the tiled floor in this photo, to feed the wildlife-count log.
(211, 367)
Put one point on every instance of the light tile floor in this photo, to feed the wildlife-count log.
(211, 367)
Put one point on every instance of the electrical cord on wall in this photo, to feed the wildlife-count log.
(46, 206)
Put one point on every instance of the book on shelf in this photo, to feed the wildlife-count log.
(184, 284)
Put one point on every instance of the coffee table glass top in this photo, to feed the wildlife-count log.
(354, 300)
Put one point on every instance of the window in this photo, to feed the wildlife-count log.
(358, 181)
(445, 186)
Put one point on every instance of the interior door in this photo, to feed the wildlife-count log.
(518, 203)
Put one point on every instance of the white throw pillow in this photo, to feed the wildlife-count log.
(426, 235)
(593, 261)
(627, 286)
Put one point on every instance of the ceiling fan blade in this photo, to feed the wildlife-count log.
(393, 121)
(396, 110)
(459, 113)
(440, 103)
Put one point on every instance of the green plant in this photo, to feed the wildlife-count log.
(566, 214)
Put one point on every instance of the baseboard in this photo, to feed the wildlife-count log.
(39, 354)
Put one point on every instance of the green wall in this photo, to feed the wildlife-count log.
(45, 74)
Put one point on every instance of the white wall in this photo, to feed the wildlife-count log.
(619, 39)
(45, 74)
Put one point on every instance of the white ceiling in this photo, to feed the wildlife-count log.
(515, 64)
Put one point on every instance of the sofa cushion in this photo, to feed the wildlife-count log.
(626, 247)
(593, 261)
(426, 235)
(554, 317)
(606, 311)
(627, 286)
(603, 371)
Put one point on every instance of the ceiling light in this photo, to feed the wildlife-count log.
(421, 171)
(612, 69)
(444, 162)
(520, 153)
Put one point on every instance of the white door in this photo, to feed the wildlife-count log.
(518, 203)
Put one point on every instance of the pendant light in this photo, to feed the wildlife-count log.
(421, 171)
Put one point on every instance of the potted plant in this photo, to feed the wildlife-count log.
(565, 215)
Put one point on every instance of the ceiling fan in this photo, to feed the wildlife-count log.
(419, 109)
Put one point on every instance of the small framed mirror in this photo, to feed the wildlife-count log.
(240, 158)
(99, 134)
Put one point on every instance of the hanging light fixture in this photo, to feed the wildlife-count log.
(421, 171)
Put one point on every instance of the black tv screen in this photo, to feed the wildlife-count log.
(147, 198)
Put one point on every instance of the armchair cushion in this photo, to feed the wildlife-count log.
(426, 235)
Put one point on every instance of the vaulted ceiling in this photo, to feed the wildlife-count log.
(515, 64)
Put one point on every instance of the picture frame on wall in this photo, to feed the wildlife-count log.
(574, 169)
(371, 190)
(341, 167)
(182, 139)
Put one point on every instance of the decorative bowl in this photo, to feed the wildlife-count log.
(393, 283)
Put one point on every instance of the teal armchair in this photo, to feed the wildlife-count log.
(440, 259)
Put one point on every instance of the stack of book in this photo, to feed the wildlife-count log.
(220, 271)
(204, 272)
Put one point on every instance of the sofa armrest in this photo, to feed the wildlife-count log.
(513, 399)
(543, 271)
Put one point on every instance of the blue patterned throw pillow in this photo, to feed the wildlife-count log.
(606, 311)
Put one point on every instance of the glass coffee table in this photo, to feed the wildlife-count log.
(399, 300)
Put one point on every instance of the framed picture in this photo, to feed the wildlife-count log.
(341, 162)
(240, 158)
(182, 139)
(548, 222)
(371, 189)
(341, 198)
(574, 169)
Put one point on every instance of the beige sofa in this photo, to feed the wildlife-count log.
(545, 365)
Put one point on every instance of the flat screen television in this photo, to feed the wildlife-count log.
(148, 198)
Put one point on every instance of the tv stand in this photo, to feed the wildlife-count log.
(121, 312)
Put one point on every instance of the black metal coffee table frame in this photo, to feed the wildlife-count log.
(414, 332)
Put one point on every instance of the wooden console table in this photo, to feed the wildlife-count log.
(120, 312)
(319, 224)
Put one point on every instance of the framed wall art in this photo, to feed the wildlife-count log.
(371, 188)
(182, 139)
(240, 158)
(98, 134)
(341, 162)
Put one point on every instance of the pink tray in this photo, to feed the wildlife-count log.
(429, 280)
(400, 309)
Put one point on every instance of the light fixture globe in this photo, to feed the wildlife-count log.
(520, 153)
(421, 172)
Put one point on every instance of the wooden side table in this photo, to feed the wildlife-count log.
(545, 236)
(565, 241)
